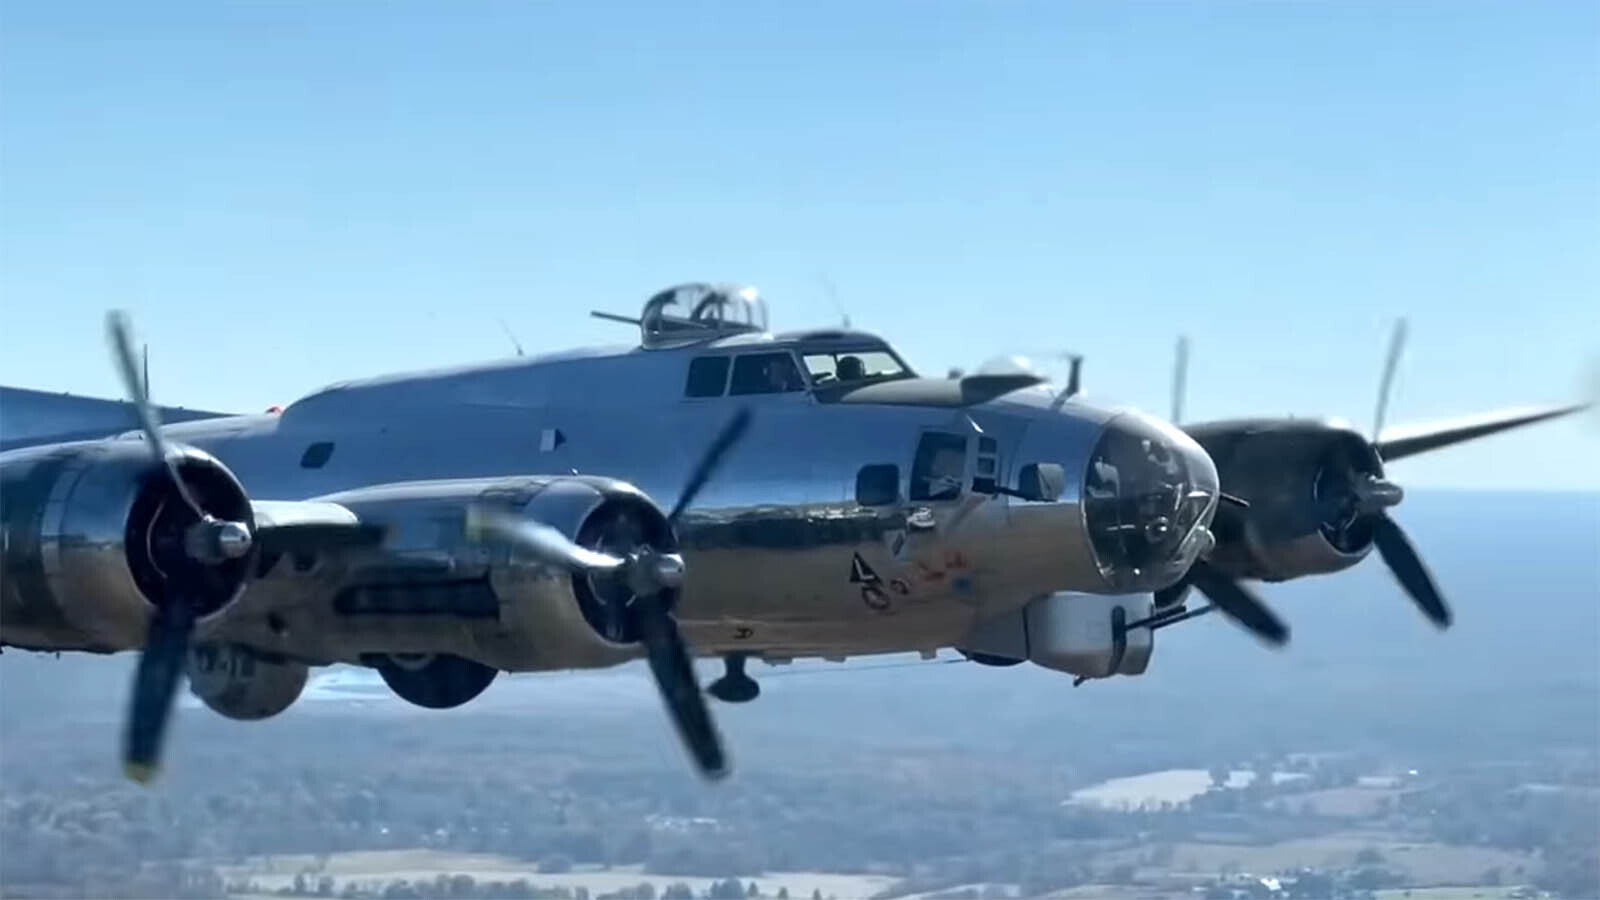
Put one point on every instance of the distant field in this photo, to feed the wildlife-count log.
(1345, 802)
(1155, 788)
(1449, 893)
(1116, 892)
(382, 867)
(1422, 863)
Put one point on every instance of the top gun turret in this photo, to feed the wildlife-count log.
(713, 311)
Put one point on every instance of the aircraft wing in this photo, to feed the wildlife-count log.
(452, 566)
(1409, 440)
(30, 417)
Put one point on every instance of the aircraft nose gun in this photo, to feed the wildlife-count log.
(1149, 496)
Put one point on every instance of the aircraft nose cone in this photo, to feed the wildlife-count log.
(1149, 495)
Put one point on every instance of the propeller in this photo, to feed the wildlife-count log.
(1403, 561)
(1397, 344)
(648, 575)
(205, 540)
(1367, 496)
(118, 331)
(1234, 600)
(1238, 603)
(1353, 498)
(191, 549)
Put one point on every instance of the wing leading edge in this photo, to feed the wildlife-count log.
(30, 417)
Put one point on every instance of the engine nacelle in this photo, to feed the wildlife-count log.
(430, 568)
(1287, 470)
(1083, 634)
(86, 528)
(241, 684)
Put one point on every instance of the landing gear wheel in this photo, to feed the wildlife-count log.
(434, 680)
(734, 686)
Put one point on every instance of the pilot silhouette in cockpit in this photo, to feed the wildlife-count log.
(851, 369)
(781, 375)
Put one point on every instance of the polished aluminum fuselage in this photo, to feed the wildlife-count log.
(776, 545)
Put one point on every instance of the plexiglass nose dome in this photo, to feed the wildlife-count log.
(1149, 494)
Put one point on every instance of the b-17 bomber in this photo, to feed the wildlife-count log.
(715, 490)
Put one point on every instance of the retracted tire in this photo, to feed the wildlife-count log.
(434, 680)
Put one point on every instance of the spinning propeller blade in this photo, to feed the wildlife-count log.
(1238, 603)
(649, 575)
(118, 333)
(1409, 570)
(709, 462)
(549, 544)
(155, 687)
(1397, 344)
(673, 668)
(155, 682)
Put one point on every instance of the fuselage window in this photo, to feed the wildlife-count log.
(316, 455)
(708, 375)
(940, 465)
(765, 373)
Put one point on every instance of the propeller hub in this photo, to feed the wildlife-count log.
(1347, 490)
(1374, 494)
(669, 570)
(649, 572)
(216, 540)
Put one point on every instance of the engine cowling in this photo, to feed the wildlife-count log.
(566, 618)
(1298, 477)
(241, 684)
(86, 529)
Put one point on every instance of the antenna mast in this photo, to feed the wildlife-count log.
(513, 338)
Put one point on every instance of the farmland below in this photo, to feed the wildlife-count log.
(1372, 755)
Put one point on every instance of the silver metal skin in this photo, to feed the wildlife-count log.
(445, 526)
(775, 558)
(77, 520)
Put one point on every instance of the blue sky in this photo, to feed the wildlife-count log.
(291, 193)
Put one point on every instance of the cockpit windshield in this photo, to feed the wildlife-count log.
(853, 366)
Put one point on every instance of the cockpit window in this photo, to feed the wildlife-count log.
(708, 375)
(849, 366)
(765, 373)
